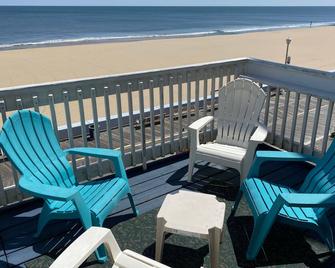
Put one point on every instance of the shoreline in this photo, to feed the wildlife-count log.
(128, 39)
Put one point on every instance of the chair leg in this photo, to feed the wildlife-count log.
(237, 202)
(160, 237)
(326, 233)
(131, 200)
(190, 166)
(100, 253)
(43, 219)
(262, 226)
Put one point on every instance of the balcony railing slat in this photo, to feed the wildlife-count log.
(119, 117)
(315, 124)
(205, 102)
(69, 126)
(83, 128)
(19, 104)
(197, 89)
(180, 112)
(152, 118)
(108, 117)
(327, 126)
(35, 103)
(275, 114)
(171, 101)
(212, 100)
(142, 125)
(304, 124)
(162, 116)
(284, 119)
(131, 123)
(96, 126)
(53, 114)
(267, 106)
(294, 120)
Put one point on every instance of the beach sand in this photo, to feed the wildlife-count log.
(310, 47)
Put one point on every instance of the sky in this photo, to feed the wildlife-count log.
(171, 2)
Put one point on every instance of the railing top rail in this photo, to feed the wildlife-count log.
(303, 80)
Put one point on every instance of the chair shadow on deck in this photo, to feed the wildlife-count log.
(284, 245)
(179, 256)
(210, 179)
(58, 235)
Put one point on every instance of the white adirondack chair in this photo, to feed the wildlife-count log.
(90, 240)
(239, 130)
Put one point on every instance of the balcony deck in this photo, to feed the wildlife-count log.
(285, 245)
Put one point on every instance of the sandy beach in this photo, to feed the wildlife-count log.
(311, 47)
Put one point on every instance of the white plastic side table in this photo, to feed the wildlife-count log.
(191, 214)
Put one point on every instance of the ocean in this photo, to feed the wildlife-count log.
(39, 26)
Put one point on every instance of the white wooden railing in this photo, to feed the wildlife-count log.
(145, 114)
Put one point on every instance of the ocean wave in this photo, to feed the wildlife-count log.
(55, 42)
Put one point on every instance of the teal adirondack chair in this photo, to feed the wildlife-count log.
(28, 139)
(305, 208)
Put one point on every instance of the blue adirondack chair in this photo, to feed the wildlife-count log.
(305, 208)
(28, 139)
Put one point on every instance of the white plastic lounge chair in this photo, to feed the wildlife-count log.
(90, 240)
(239, 130)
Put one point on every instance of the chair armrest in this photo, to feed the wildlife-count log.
(94, 152)
(257, 138)
(195, 128)
(201, 123)
(110, 154)
(308, 199)
(90, 240)
(47, 191)
(266, 156)
(75, 254)
(260, 134)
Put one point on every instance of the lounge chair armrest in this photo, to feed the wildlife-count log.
(94, 152)
(308, 199)
(195, 128)
(260, 134)
(266, 156)
(47, 191)
(75, 254)
(257, 138)
(90, 240)
(110, 154)
(200, 123)
(284, 156)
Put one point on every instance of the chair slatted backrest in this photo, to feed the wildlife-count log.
(321, 179)
(29, 141)
(240, 105)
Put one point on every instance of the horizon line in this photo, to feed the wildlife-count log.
(10, 5)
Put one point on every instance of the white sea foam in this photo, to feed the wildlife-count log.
(158, 36)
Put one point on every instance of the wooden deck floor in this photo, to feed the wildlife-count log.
(18, 246)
